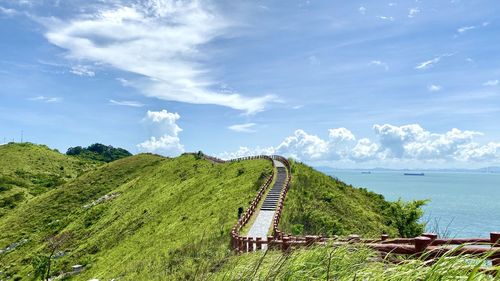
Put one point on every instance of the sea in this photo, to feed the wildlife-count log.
(460, 204)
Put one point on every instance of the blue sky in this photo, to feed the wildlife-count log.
(357, 84)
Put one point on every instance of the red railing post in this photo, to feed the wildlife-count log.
(285, 247)
(258, 243)
(495, 242)
(421, 243)
(432, 236)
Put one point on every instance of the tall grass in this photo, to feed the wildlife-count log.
(347, 263)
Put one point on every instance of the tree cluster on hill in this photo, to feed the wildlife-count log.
(99, 152)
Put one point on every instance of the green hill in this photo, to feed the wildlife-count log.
(319, 204)
(147, 217)
(27, 170)
(165, 219)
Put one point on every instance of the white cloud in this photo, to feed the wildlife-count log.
(8, 12)
(341, 135)
(303, 146)
(362, 10)
(246, 128)
(46, 99)
(82, 70)
(434, 88)
(413, 12)
(165, 140)
(126, 103)
(466, 28)
(491, 83)
(380, 63)
(385, 18)
(391, 144)
(432, 62)
(159, 40)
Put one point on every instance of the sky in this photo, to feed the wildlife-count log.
(344, 84)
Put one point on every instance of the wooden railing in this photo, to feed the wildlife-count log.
(427, 246)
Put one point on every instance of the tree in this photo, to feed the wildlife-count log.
(42, 263)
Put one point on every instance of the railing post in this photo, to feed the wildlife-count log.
(240, 244)
(421, 243)
(285, 247)
(384, 237)
(250, 244)
(245, 244)
(432, 236)
(258, 243)
(495, 242)
(270, 240)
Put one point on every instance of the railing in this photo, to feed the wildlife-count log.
(427, 246)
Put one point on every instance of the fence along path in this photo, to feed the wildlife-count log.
(427, 246)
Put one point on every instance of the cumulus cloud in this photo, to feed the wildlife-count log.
(391, 143)
(159, 40)
(245, 128)
(165, 133)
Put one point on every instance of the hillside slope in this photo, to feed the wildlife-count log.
(165, 219)
(27, 170)
(319, 204)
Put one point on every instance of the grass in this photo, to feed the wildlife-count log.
(170, 220)
(344, 263)
(27, 170)
(319, 204)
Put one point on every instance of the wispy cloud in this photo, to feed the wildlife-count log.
(434, 88)
(161, 41)
(386, 18)
(362, 10)
(471, 27)
(432, 62)
(126, 103)
(491, 83)
(82, 70)
(380, 63)
(46, 99)
(245, 128)
(413, 12)
(8, 12)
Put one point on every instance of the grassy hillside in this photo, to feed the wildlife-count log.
(320, 204)
(165, 219)
(27, 170)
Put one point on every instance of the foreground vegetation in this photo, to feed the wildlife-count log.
(319, 204)
(345, 263)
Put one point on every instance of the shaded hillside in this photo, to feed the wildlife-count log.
(27, 170)
(319, 204)
(162, 219)
(99, 152)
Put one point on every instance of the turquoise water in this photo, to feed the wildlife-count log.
(466, 204)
